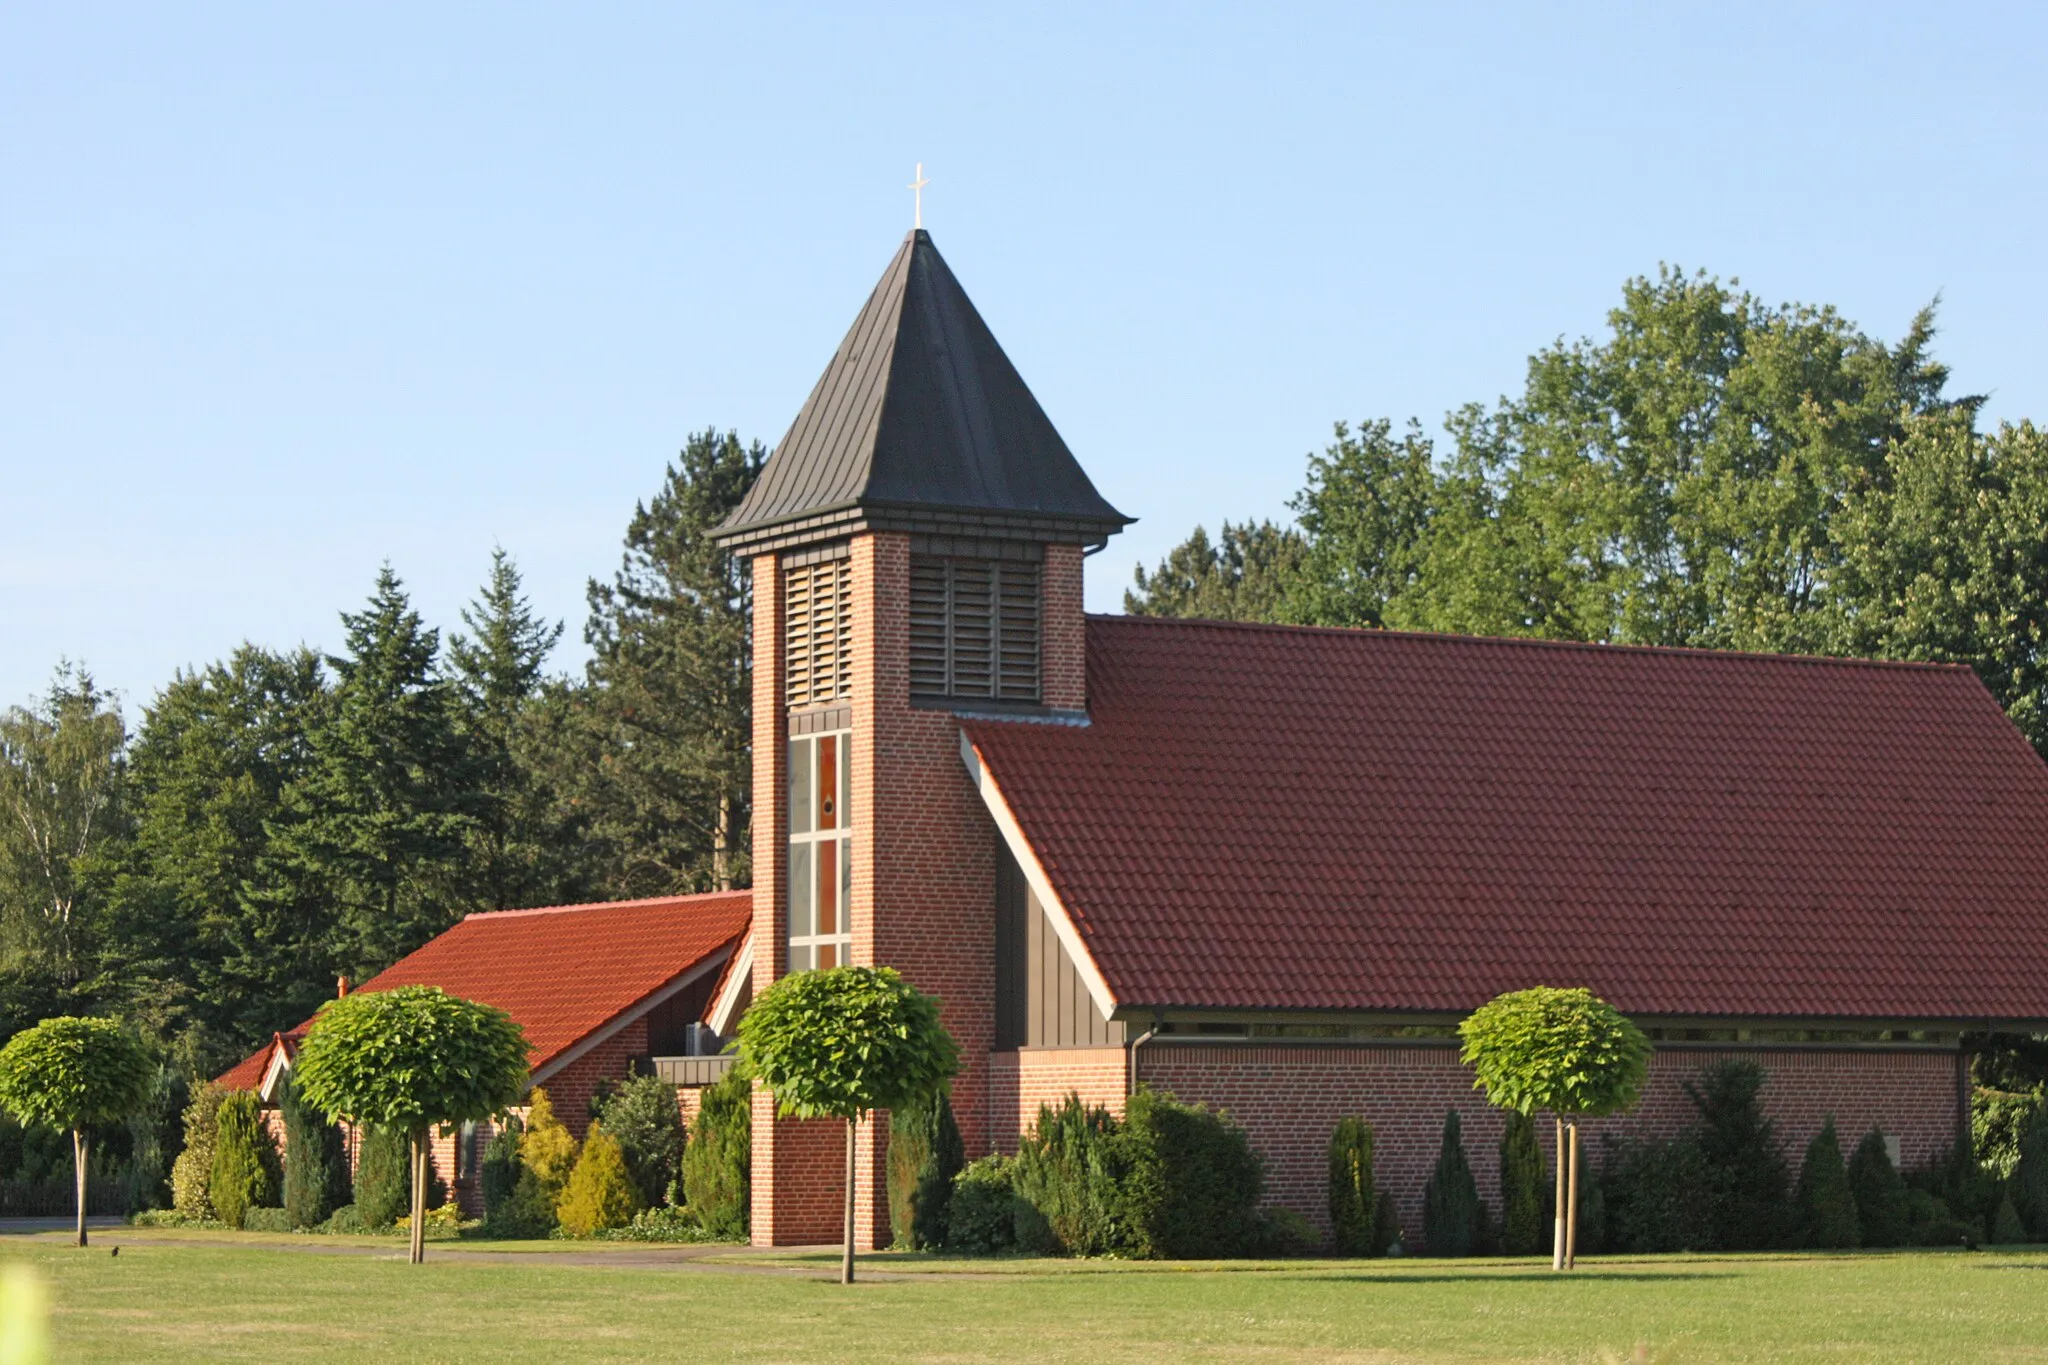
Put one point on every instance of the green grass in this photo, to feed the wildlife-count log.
(199, 1296)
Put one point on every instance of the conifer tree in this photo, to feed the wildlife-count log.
(1452, 1219)
(1881, 1211)
(1825, 1200)
(315, 1165)
(381, 1180)
(1523, 1184)
(600, 1193)
(381, 819)
(1354, 1193)
(717, 1169)
(925, 1153)
(245, 1164)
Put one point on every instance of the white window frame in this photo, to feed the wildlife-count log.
(800, 898)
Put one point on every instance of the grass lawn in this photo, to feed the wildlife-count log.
(172, 1296)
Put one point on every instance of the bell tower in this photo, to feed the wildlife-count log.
(916, 542)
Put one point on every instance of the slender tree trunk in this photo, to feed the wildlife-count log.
(419, 1195)
(1571, 1230)
(80, 1149)
(1557, 1232)
(846, 1262)
(721, 853)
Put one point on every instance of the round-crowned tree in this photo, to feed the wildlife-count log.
(75, 1074)
(1567, 1051)
(842, 1043)
(411, 1059)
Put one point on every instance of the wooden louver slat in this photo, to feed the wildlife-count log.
(818, 630)
(974, 629)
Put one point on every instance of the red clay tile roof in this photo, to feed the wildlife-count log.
(566, 971)
(248, 1073)
(1265, 817)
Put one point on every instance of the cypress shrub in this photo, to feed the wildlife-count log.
(2006, 1227)
(718, 1159)
(1826, 1203)
(192, 1172)
(383, 1184)
(925, 1153)
(2030, 1173)
(643, 1116)
(315, 1166)
(981, 1216)
(601, 1193)
(1354, 1193)
(1386, 1223)
(498, 1172)
(1069, 1169)
(244, 1159)
(1525, 1189)
(1190, 1181)
(1452, 1220)
(1882, 1215)
(1747, 1179)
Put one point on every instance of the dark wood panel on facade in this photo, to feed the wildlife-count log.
(668, 1024)
(1041, 999)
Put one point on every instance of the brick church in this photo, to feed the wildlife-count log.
(1270, 868)
(1267, 868)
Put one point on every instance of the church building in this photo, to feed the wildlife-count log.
(1270, 868)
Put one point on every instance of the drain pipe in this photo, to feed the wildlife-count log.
(1131, 1066)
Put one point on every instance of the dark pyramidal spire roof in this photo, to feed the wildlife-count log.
(920, 423)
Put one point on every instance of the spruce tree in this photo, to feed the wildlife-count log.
(1451, 1213)
(381, 819)
(1881, 1211)
(1524, 1183)
(1354, 1193)
(656, 746)
(1739, 1144)
(1826, 1203)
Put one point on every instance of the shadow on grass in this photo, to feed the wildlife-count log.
(1531, 1276)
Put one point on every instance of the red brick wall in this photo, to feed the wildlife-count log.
(1063, 680)
(570, 1089)
(1020, 1081)
(1290, 1097)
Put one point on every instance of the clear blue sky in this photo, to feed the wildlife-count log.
(285, 294)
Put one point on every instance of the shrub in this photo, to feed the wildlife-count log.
(1282, 1232)
(345, 1221)
(315, 1166)
(1354, 1193)
(1452, 1219)
(663, 1224)
(244, 1159)
(1747, 1180)
(1069, 1169)
(925, 1153)
(718, 1159)
(2006, 1227)
(1190, 1181)
(1525, 1189)
(192, 1172)
(443, 1221)
(1997, 1118)
(257, 1219)
(383, 1183)
(1881, 1214)
(498, 1172)
(1656, 1197)
(981, 1215)
(1827, 1206)
(642, 1114)
(2030, 1173)
(1964, 1184)
(1592, 1211)
(548, 1149)
(1386, 1224)
(600, 1193)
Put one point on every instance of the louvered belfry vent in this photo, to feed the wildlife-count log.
(818, 607)
(974, 628)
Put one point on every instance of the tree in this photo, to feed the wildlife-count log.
(60, 769)
(315, 1162)
(1881, 1212)
(717, 1163)
(410, 1059)
(1242, 577)
(383, 1175)
(659, 748)
(1748, 1182)
(1354, 1192)
(381, 818)
(1567, 1051)
(842, 1043)
(192, 1171)
(518, 855)
(1826, 1203)
(75, 1074)
(1452, 1218)
(642, 1116)
(925, 1153)
(1521, 1187)
(244, 1159)
(1367, 516)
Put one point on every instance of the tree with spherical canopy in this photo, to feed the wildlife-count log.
(78, 1075)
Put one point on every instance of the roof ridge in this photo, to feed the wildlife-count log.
(1532, 642)
(642, 902)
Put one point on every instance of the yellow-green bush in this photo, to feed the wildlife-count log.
(600, 1193)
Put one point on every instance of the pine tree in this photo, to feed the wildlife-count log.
(656, 746)
(1524, 1182)
(1451, 1214)
(1354, 1193)
(381, 819)
(520, 855)
(315, 1165)
(1881, 1212)
(1825, 1200)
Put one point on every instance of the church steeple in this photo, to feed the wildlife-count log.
(920, 424)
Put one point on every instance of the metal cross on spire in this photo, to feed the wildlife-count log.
(916, 188)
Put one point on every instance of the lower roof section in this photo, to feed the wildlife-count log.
(1271, 818)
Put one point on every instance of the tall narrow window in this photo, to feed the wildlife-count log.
(818, 623)
(820, 850)
(974, 628)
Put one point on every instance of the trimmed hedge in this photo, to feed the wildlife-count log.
(925, 1153)
(981, 1216)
